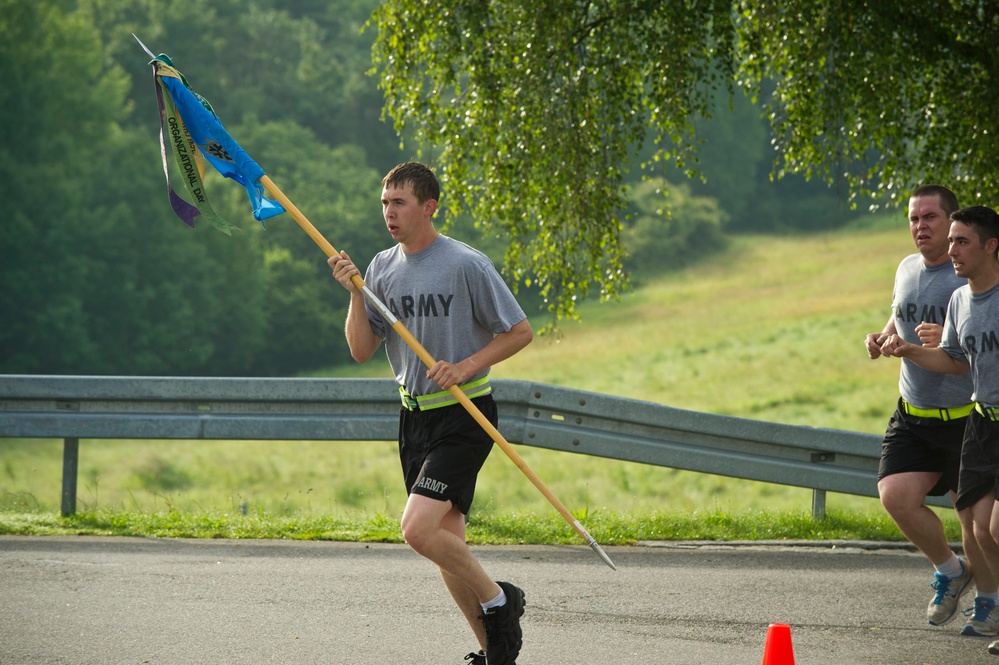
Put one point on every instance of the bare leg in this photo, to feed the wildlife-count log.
(463, 596)
(436, 530)
(902, 495)
(985, 573)
(986, 523)
(987, 508)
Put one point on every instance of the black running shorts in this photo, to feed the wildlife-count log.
(979, 461)
(913, 444)
(443, 449)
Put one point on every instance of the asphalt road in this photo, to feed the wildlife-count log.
(84, 600)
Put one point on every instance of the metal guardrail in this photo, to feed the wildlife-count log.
(533, 414)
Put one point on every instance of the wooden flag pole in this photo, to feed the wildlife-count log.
(425, 356)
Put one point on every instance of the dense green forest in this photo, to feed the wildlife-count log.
(98, 275)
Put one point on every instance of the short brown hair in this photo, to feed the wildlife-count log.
(948, 199)
(981, 219)
(423, 181)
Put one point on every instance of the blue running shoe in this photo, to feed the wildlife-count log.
(943, 608)
(984, 619)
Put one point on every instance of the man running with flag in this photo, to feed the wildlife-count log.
(456, 304)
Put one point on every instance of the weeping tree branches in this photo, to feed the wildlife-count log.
(534, 109)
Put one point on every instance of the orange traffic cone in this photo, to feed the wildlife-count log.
(778, 649)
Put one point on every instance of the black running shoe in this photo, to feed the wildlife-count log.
(503, 634)
(477, 658)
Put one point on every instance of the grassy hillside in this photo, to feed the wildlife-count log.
(771, 330)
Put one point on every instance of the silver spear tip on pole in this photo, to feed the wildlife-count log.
(144, 47)
(603, 555)
(594, 545)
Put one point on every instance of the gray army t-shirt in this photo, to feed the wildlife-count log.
(972, 335)
(921, 294)
(449, 296)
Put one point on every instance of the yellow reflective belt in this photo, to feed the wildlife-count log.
(472, 390)
(990, 412)
(476, 388)
(939, 414)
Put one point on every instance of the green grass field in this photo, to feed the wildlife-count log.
(772, 330)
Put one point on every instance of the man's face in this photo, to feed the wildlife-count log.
(928, 225)
(405, 217)
(967, 252)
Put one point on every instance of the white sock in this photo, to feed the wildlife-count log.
(498, 601)
(992, 596)
(952, 568)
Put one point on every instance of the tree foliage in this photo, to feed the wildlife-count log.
(532, 108)
(536, 109)
(533, 113)
(659, 238)
(98, 275)
(887, 95)
(56, 132)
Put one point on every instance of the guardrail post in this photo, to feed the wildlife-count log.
(70, 466)
(819, 504)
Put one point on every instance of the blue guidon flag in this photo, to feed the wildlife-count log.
(191, 132)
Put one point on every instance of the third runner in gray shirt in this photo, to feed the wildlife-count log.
(921, 449)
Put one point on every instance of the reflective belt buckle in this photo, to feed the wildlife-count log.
(408, 401)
